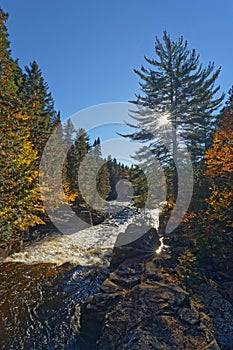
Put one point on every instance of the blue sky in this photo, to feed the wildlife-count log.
(88, 49)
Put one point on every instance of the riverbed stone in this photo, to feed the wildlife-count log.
(144, 305)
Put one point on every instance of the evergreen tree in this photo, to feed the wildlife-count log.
(82, 144)
(39, 105)
(69, 170)
(114, 176)
(103, 176)
(76, 154)
(8, 67)
(94, 177)
(177, 101)
(51, 176)
(140, 186)
(103, 182)
(68, 132)
(18, 185)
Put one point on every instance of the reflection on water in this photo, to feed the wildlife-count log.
(39, 304)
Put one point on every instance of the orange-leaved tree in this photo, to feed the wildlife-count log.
(219, 161)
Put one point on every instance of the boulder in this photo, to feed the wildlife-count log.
(137, 242)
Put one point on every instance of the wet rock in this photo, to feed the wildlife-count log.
(190, 316)
(128, 274)
(212, 346)
(109, 287)
(140, 308)
(40, 231)
(228, 288)
(136, 242)
(92, 318)
(221, 312)
(146, 318)
(130, 313)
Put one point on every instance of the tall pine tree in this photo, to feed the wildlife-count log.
(103, 176)
(39, 105)
(178, 95)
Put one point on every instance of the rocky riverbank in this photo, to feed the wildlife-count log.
(147, 303)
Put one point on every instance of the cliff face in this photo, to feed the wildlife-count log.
(142, 305)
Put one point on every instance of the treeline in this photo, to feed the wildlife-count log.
(28, 119)
(85, 166)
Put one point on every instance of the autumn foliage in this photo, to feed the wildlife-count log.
(20, 204)
(219, 162)
(18, 185)
(29, 124)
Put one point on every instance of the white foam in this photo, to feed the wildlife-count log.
(86, 247)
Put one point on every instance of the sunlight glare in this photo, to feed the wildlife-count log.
(164, 120)
(160, 249)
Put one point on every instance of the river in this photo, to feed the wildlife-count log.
(43, 286)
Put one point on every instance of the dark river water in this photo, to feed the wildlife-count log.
(43, 286)
(39, 304)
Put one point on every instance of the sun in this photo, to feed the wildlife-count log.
(164, 120)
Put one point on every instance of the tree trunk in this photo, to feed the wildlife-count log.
(175, 160)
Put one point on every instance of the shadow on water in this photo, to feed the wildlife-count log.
(39, 304)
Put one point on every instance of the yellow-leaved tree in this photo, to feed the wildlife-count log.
(219, 161)
(19, 190)
(19, 195)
